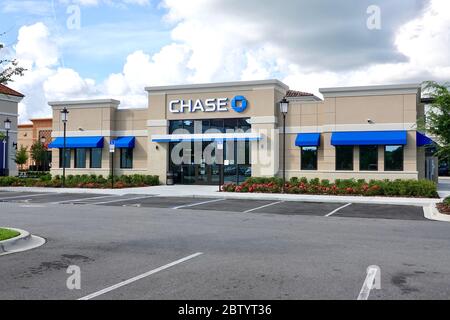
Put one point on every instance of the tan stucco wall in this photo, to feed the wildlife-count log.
(387, 112)
(103, 119)
(9, 109)
(262, 102)
(387, 109)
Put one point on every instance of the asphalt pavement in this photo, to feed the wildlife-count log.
(130, 248)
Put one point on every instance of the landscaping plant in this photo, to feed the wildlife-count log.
(81, 181)
(392, 188)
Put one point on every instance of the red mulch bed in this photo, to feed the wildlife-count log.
(443, 208)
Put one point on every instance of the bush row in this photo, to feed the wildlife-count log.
(82, 181)
(392, 188)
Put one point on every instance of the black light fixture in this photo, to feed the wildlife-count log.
(64, 119)
(7, 123)
(284, 106)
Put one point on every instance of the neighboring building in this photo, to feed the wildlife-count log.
(215, 132)
(38, 130)
(9, 100)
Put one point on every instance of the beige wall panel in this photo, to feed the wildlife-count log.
(381, 109)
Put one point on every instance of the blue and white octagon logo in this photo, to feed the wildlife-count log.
(239, 104)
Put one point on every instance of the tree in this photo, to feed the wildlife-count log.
(21, 157)
(437, 120)
(38, 153)
(9, 68)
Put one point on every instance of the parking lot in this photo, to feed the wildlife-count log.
(349, 210)
(150, 247)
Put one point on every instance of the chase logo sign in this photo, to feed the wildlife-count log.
(238, 104)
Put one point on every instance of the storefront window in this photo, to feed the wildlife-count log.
(126, 158)
(309, 158)
(368, 158)
(68, 158)
(344, 157)
(393, 158)
(175, 125)
(80, 158)
(96, 158)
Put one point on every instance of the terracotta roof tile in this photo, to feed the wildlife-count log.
(294, 93)
(8, 91)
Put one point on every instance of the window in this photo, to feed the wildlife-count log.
(67, 158)
(344, 158)
(126, 158)
(80, 158)
(368, 158)
(96, 158)
(309, 158)
(393, 158)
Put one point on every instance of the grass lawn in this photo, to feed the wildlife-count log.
(7, 234)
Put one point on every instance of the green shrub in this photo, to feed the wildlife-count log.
(447, 201)
(396, 188)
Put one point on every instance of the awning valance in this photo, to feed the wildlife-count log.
(423, 140)
(245, 136)
(307, 140)
(77, 142)
(364, 138)
(125, 142)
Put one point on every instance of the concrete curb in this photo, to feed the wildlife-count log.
(24, 241)
(432, 213)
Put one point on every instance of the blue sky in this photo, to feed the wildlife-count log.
(108, 33)
(122, 46)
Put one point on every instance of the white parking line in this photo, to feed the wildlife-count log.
(144, 275)
(119, 200)
(336, 210)
(197, 203)
(76, 200)
(368, 283)
(28, 196)
(264, 206)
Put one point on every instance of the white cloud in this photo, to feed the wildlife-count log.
(108, 2)
(212, 41)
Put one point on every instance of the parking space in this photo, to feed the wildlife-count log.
(348, 210)
(158, 202)
(378, 211)
(7, 196)
(303, 208)
(231, 205)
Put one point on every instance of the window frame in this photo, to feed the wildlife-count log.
(352, 158)
(91, 151)
(68, 159)
(403, 158)
(75, 163)
(363, 147)
(302, 157)
(122, 163)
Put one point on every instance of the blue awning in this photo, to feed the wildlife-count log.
(423, 140)
(77, 142)
(307, 140)
(125, 142)
(364, 138)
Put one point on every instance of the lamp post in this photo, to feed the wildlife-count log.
(7, 128)
(284, 104)
(43, 140)
(64, 118)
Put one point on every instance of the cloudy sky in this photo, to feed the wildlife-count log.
(75, 49)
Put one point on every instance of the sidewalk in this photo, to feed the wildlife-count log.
(212, 192)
